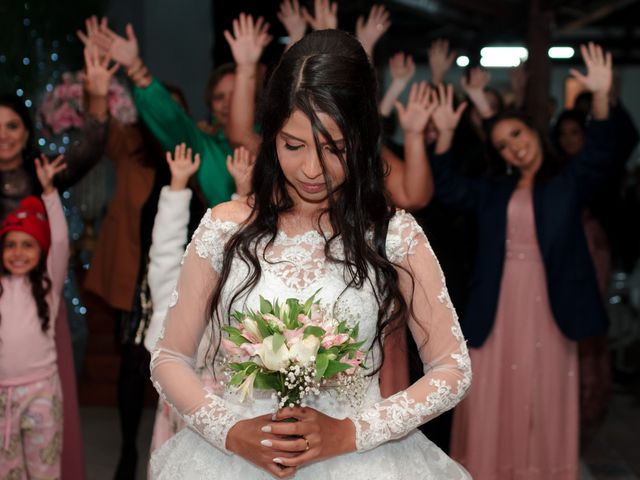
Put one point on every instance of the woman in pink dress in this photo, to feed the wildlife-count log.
(534, 292)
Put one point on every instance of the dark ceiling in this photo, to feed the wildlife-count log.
(468, 24)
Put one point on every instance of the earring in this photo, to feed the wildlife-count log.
(509, 169)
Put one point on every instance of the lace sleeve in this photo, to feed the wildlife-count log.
(173, 360)
(435, 328)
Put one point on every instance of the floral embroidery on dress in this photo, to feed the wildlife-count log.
(297, 266)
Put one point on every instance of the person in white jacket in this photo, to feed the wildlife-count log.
(169, 238)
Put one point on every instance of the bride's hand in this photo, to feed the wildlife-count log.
(319, 436)
(253, 442)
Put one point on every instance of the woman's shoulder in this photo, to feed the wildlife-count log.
(234, 211)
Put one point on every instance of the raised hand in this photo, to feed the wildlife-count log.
(47, 170)
(248, 40)
(440, 60)
(325, 15)
(240, 167)
(401, 67)
(291, 17)
(599, 69)
(421, 104)
(123, 50)
(370, 31)
(97, 72)
(445, 117)
(182, 167)
(477, 81)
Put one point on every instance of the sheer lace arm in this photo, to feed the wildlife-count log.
(435, 328)
(173, 360)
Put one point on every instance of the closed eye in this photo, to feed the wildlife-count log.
(293, 148)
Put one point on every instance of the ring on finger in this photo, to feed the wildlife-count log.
(307, 442)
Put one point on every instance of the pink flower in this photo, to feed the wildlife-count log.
(302, 318)
(294, 336)
(354, 362)
(231, 348)
(331, 340)
(251, 349)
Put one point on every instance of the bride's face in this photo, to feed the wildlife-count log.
(300, 162)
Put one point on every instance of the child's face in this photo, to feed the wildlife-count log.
(21, 253)
(299, 159)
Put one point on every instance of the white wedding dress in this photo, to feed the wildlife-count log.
(388, 444)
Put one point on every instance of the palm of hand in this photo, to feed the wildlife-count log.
(124, 51)
(444, 118)
(415, 118)
(598, 78)
(294, 24)
(246, 50)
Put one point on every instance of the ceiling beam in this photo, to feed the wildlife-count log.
(604, 10)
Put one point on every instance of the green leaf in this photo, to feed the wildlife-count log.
(238, 316)
(265, 305)
(235, 335)
(355, 331)
(263, 326)
(322, 362)
(278, 341)
(334, 367)
(307, 305)
(238, 378)
(342, 327)
(267, 381)
(313, 330)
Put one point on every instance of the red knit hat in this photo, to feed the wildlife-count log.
(30, 217)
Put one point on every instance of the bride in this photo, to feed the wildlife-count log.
(318, 220)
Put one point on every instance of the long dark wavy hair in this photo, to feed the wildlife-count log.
(40, 286)
(327, 71)
(552, 163)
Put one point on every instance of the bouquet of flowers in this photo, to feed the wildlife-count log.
(292, 349)
(63, 106)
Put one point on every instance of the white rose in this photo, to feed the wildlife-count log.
(273, 360)
(305, 350)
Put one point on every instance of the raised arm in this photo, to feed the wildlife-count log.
(451, 188)
(84, 155)
(402, 69)
(375, 26)
(409, 182)
(325, 15)
(440, 60)
(169, 237)
(474, 86)
(247, 44)
(291, 18)
(58, 257)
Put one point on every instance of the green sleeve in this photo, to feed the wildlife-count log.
(168, 122)
(171, 125)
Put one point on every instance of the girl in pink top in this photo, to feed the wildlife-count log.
(34, 248)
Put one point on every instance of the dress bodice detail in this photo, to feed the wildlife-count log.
(297, 266)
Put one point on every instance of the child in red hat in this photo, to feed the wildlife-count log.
(34, 248)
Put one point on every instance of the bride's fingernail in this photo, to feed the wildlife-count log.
(278, 461)
(266, 443)
(266, 429)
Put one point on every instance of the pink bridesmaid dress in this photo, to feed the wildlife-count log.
(520, 420)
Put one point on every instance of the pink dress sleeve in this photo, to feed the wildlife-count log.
(174, 358)
(434, 326)
(58, 258)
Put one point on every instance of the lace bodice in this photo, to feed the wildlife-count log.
(296, 266)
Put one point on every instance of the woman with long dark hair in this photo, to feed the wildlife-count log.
(534, 291)
(318, 219)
